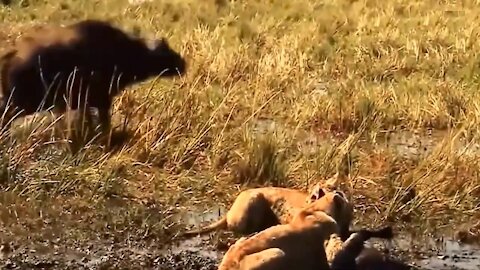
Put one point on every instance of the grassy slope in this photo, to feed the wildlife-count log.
(309, 65)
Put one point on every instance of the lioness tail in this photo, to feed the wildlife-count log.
(219, 224)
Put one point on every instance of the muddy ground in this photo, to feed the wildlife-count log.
(451, 256)
(203, 253)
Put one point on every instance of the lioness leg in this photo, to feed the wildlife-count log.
(269, 259)
(251, 213)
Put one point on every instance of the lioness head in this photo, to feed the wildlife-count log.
(336, 205)
(316, 193)
(335, 182)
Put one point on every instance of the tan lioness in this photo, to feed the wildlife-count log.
(352, 255)
(259, 208)
(297, 245)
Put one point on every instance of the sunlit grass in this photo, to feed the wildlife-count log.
(309, 67)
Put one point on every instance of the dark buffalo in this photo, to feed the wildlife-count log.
(79, 66)
(354, 256)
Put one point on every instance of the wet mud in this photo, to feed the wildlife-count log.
(107, 258)
(201, 253)
(193, 254)
(446, 254)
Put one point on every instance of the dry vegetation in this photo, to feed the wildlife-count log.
(266, 81)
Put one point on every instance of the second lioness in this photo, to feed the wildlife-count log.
(259, 208)
(296, 245)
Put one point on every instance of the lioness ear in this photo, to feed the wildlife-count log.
(316, 193)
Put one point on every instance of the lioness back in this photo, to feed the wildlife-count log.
(285, 202)
(256, 209)
(293, 240)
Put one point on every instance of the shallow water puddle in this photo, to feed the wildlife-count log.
(452, 255)
(197, 245)
(406, 143)
(441, 254)
(199, 215)
(193, 219)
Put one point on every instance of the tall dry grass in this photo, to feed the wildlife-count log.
(310, 68)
